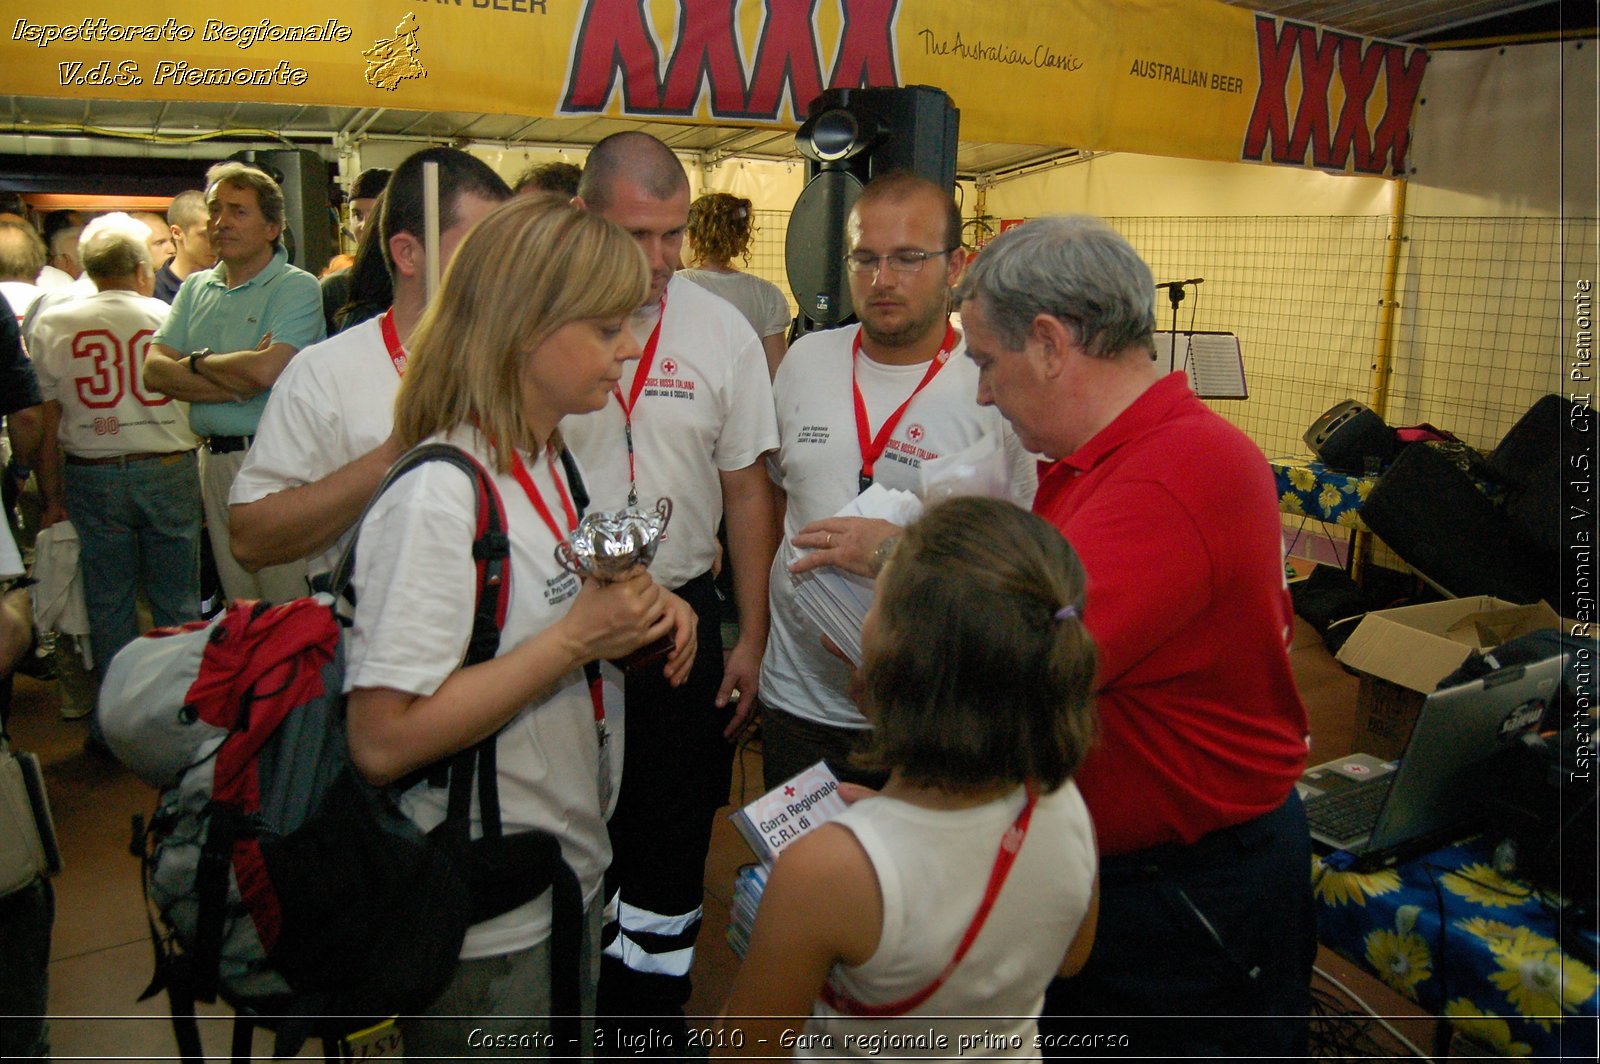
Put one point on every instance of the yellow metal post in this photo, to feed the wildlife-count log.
(1383, 369)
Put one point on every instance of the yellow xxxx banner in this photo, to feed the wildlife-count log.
(1192, 78)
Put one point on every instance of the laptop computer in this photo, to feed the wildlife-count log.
(1383, 812)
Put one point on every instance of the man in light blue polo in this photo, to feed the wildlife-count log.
(232, 330)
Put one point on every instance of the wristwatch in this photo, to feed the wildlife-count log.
(196, 356)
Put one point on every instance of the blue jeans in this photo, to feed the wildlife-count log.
(138, 526)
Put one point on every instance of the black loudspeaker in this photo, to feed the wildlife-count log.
(849, 137)
(1432, 514)
(1352, 438)
(310, 232)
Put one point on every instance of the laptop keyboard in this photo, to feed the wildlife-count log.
(1349, 813)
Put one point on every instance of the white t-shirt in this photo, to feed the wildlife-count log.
(333, 403)
(20, 294)
(88, 354)
(51, 278)
(818, 466)
(55, 297)
(705, 408)
(933, 867)
(759, 300)
(415, 582)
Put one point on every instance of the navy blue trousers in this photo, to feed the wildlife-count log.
(1202, 950)
(676, 772)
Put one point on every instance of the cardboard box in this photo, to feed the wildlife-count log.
(1403, 653)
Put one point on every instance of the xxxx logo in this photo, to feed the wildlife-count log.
(616, 49)
(1316, 134)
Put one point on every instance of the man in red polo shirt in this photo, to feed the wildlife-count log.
(1205, 904)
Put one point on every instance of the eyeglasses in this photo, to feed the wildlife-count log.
(899, 261)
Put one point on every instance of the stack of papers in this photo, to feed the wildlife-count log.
(837, 601)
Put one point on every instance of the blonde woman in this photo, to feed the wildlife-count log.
(529, 326)
(721, 227)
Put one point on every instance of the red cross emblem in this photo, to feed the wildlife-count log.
(915, 433)
(669, 367)
(788, 792)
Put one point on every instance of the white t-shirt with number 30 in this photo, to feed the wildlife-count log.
(89, 355)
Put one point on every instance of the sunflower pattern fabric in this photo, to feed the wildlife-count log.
(1490, 961)
(1311, 489)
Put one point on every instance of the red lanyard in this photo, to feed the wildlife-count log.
(531, 489)
(872, 446)
(391, 340)
(520, 472)
(641, 374)
(1010, 845)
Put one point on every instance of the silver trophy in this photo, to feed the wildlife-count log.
(606, 545)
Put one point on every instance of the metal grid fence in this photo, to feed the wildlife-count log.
(1481, 331)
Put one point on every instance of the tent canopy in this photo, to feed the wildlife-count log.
(719, 80)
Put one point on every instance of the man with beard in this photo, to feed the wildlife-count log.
(867, 404)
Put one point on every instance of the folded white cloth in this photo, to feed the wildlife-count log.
(10, 558)
(58, 594)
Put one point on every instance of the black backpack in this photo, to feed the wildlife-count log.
(283, 882)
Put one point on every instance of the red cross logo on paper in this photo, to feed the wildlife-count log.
(669, 367)
(915, 433)
(788, 792)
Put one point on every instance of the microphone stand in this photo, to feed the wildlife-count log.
(1175, 294)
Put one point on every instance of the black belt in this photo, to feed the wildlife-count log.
(228, 444)
(124, 460)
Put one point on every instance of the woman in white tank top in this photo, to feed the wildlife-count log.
(927, 920)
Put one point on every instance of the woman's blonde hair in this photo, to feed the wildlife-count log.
(529, 267)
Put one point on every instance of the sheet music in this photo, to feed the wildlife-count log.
(1212, 360)
(1216, 366)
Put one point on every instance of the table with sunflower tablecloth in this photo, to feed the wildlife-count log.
(1310, 489)
(1482, 951)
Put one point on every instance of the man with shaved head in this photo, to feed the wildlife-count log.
(691, 421)
(159, 242)
(191, 247)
